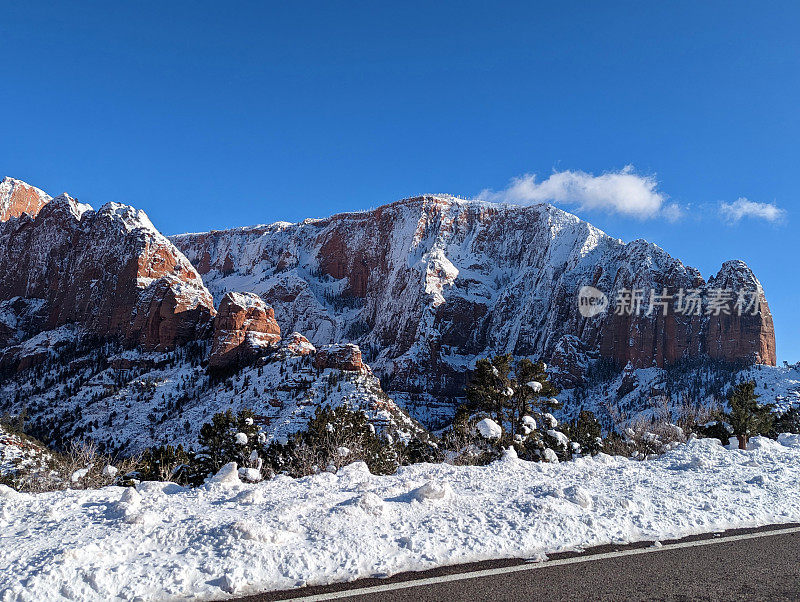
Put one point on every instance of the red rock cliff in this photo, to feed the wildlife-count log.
(426, 285)
(17, 197)
(109, 270)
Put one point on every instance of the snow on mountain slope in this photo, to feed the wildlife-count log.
(776, 385)
(104, 325)
(426, 285)
(128, 400)
(663, 393)
(220, 540)
(19, 453)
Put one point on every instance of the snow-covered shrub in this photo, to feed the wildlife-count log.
(644, 439)
(228, 438)
(82, 466)
(318, 448)
(787, 422)
(463, 444)
(716, 429)
(417, 451)
(585, 431)
(87, 468)
(489, 429)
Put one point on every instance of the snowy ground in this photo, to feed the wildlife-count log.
(640, 393)
(19, 453)
(164, 542)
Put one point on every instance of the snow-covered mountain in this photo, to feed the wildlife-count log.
(108, 332)
(426, 285)
(423, 287)
(109, 271)
(128, 399)
(17, 197)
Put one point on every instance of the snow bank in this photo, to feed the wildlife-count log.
(161, 541)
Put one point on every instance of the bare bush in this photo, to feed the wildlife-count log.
(652, 433)
(82, 466)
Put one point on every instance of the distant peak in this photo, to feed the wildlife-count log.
(130, 217)
(64, 202)
(18, 197)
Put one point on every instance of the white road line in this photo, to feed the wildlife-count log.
(538, 565)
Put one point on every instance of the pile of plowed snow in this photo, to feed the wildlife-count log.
(160, 541)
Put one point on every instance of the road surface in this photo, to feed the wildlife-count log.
(752, 564)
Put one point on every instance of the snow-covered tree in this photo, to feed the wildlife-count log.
(747, 417)
(508, 390)
(228, 438)
(586, 432)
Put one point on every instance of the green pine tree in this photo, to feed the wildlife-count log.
(586, 431)
(747, 417)
(507, 390)
(488, 387)
(218, 441)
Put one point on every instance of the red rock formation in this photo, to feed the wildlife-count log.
(749, 336)
(429, 284)
(110, 271)
(243, 328)
(17, 197)
(341, 357)
(297, 344)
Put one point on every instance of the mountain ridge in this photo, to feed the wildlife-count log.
(424, 286)
(109, 270)
(199, 246)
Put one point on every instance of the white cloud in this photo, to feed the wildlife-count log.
(742, 207)
(672, 212)
(624, 192)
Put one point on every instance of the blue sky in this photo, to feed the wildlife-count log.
(210, 115)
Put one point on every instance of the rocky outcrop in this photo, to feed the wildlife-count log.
(426, 285)
(244, 328)
(340, 357)
(17, 197)
(748, 334)
(38, 348)
(569, 362)
(109, 271)
(297, 344)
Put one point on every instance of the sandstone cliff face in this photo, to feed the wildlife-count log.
(569, 362)
(750, 335)
(340, 357)
(17, 197)
(109, 271)
(244, 327)
(428, 284)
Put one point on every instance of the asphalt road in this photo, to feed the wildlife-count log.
(752, 564)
